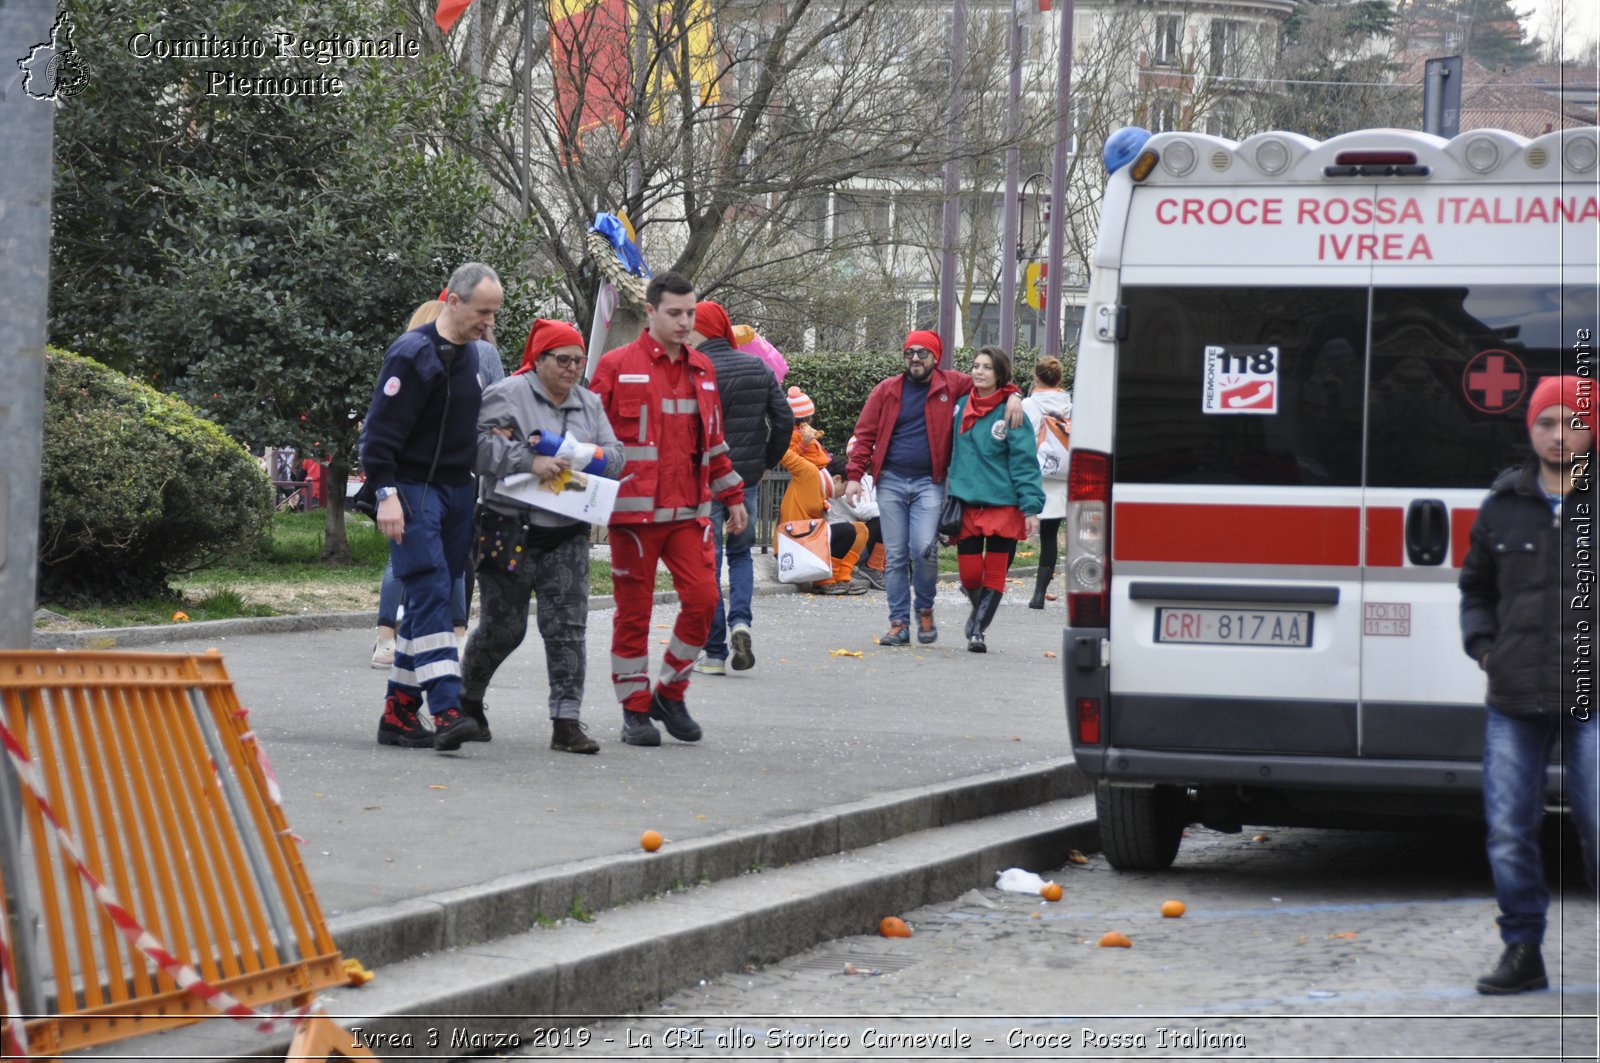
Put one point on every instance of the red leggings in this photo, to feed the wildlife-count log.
(685, 547)
(983, 561)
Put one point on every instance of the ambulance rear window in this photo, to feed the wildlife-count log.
(1451, 371)
(1310, 432)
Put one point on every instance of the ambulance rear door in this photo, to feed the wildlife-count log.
(1236, 594)
(1503, 296)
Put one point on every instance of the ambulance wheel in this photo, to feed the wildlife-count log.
(1140, 827)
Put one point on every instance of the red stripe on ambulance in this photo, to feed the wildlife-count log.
(1237, 535)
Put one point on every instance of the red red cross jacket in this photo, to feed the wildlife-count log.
(632, 383)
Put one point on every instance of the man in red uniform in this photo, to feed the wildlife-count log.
(661, 398)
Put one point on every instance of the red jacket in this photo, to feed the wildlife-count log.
(632, 385)
(876, 423)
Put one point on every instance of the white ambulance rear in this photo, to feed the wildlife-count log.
(1301, 367)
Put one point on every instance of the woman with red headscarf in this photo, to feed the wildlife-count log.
(539, 420)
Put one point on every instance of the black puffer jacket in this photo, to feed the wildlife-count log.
(756, 419)
(1527, 593)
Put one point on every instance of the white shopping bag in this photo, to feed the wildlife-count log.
(803, 555)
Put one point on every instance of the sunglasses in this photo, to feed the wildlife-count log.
(566, 361)
(919, 354)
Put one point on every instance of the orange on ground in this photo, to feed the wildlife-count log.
(891, 926)
(651, 840)
(1173, 909)
(1115, 939)
(1050, 891)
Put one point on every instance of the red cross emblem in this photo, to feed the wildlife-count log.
(1494, 381)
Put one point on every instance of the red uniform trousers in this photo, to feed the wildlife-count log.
(686, 547)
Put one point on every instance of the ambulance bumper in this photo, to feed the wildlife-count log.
(1123, 765)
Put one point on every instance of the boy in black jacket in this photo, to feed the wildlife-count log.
(418, 445)
(1528, 618)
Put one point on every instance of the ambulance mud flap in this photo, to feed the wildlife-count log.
(1087, 685)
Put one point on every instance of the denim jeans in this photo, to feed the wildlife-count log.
(1515, 749)
(908, 511)
(390, 597)
(734, 608)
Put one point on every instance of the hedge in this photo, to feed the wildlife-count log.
(136, 487)
(839, 383)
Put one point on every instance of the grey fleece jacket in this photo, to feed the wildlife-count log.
(522, 404)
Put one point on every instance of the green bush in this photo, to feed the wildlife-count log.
(839, 383)
(136, 488)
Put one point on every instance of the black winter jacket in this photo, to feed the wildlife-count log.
(401, 433)
(756, 419)
(1527, 593)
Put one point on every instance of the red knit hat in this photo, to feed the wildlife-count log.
(924, 338)
(547, 336)
(1574, 392)
(711, 321)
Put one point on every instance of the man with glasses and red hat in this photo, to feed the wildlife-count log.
(1528, 618)
(539, 420)
(903, 440)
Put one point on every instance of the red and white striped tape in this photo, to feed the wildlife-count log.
(8, 988)
(186, 976)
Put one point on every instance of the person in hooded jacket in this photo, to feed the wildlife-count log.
(1528, 618)
(756, 423)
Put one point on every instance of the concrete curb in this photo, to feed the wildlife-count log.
(516, 903)
(114, 638)
(473, 998)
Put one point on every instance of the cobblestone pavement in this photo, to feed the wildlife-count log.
(1308, 945)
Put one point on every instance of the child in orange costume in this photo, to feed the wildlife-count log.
(806, 499)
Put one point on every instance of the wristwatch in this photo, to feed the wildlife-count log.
(383, 493)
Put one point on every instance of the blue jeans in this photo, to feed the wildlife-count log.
(1515, 749)
(735, 607)
(429, 559)
(908, 512)
(390, 596)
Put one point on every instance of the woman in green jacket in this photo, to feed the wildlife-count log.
(995, 472)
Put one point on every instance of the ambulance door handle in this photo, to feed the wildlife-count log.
(1427, 531)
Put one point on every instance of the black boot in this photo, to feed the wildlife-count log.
(1520, 969)
(473, 709)
(988, 602)
(1040, 583)
(972, 617)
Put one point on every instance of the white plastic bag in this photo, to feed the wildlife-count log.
(1016, 880)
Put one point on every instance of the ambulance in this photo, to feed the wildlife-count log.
(1302, 365)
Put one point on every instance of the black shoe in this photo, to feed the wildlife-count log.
(873, 576)
(473, 709)
(674, 716)
(972, 616)
(637, 730)
(568, 736)
(1520, 969)
(451, 728)
(744, 654)
(400, 726)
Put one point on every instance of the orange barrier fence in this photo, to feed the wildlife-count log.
(140, 826)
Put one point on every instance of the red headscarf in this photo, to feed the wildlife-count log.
(711, 321)
(924, 338)
(547, 336)
(1575, 393)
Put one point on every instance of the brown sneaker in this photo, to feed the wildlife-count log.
(926, 632)
(899, 634)
(568, 736)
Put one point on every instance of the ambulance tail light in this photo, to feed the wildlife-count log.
(1088, 721)
(1088, 521)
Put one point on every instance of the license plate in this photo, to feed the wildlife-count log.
(1234, 627)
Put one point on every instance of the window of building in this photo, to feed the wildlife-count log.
(1169, 32)
(1226, 36)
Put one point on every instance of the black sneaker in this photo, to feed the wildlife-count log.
(637, 730)
(744, 655)
(475, 710)
(1520, 969)
(400, 726)
(873, 576)
(674, 716)
(451, 728)
(568, 736)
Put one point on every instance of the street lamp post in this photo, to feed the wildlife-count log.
(1058, 182)
(1012, 222)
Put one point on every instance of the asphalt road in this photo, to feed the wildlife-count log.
(1309, 945)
